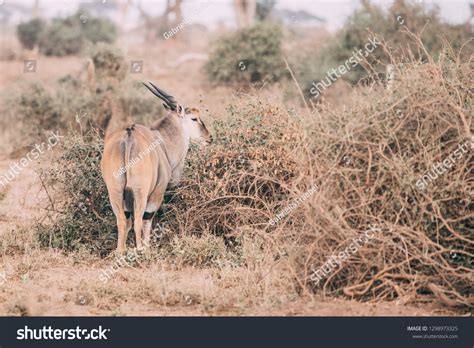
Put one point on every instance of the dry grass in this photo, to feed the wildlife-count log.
(369, 160)
(219, 255)
(366, 160)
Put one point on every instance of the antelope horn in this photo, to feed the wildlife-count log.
(169, 101)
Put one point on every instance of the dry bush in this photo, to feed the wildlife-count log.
(110, 96)
(370, 158)
(202, 251)
(242, 178)
(18, 241)
(78, 200)
(234, 182)
(390, 24)
(366, 161)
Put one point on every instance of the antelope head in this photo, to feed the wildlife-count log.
(193, 127)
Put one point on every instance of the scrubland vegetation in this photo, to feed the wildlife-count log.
(365, 158)
(65, 36)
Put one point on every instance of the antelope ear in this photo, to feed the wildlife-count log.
(194, 111)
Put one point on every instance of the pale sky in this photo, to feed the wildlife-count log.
(335, 12)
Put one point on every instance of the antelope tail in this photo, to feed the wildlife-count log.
(128, 192)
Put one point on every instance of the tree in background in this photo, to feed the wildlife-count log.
(260, 56)
(245, 11)
(68, 35)
(371, 19)
(30, 32)
(264, 8)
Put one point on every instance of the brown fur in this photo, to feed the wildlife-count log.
(144, 183)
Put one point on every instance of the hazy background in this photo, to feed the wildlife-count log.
(221, 12)
(366, 141)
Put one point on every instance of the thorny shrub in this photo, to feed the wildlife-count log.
(366, 161)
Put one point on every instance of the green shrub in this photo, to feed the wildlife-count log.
(69, 35)
(249, 55)
(86, 220)
(30, 32)
(109, 62)
(62, 37)
(372, 20)
(61, 106)
(38, 108)
(99, 30)
(264, 8)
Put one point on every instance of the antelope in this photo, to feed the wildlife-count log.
(140, 162)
